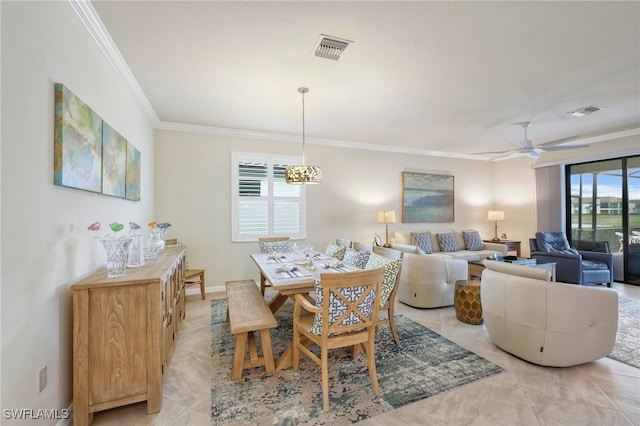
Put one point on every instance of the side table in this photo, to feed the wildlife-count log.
(511, 245)
(466, 301)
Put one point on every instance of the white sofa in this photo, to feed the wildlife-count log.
(402, 241)
(547, 323)
(429, 281)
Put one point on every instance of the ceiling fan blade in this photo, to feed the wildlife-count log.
(561, 148)
(522, 145)
(507, 154)
(557, 141)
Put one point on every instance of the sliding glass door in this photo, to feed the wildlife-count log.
(604, 200)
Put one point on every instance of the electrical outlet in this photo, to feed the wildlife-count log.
(42, 379)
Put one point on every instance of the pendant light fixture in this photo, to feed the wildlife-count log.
(303, 174)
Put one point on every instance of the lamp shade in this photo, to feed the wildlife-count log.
(303, 174)
(496, 216)
(387, 216)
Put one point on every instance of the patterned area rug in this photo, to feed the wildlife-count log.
(627, 347)
(424, 365)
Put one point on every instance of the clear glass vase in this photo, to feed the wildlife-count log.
(153, 246)
(136, 252)
(116, 250)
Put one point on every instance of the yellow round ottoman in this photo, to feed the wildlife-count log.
(466, 300)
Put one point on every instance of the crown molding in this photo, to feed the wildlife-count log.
(283, 137)
(92, 22)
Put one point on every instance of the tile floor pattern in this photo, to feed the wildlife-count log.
(604, 392)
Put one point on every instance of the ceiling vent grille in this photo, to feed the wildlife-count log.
(584, 111)
(330, 47)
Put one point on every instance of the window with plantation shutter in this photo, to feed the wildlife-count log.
(263, 203)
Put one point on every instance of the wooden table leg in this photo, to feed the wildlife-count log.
(286, 359)
(277, 302)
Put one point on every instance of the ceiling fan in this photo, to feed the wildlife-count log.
(532, 151)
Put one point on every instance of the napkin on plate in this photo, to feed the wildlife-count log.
(333, 264)
(287, 268)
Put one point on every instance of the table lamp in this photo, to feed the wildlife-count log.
(496, 216)
(387, 217)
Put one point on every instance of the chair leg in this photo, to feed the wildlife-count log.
(296, 349)
(371, 360)
(325, 378)
(392, 325)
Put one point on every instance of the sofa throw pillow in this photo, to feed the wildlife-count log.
(356, 257)
(422, 240)
(472, 240)
(334, 250)
(391, 270)
(447, 242)
(337, 306)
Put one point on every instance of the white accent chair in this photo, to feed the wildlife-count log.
(544, 322)
(429, 281)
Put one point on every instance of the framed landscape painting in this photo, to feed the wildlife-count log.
(427, 198)
(77, 143)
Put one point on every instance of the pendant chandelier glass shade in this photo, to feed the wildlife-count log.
(303, 174)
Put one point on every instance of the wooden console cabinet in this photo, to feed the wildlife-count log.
(124, 330)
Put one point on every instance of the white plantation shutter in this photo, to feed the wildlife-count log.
(263, 204)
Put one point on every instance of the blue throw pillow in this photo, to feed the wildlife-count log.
(422, 240)
(447, 242)
(472, 240)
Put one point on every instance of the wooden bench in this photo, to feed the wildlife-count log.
(248, 312)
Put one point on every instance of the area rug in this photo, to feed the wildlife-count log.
(627, 347)
(424, 365)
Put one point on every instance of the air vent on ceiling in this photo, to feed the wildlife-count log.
(330, 47)
(584, 111)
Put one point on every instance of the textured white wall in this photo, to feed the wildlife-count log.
(45, 243)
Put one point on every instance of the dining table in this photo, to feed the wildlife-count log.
(288, 276)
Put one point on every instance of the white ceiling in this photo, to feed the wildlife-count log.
(449, 77)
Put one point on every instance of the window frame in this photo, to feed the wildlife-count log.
(270, 160)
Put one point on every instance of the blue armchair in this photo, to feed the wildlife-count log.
(572, 266)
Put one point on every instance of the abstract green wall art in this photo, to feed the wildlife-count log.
(133, 173)
(89, 154)
(77, 143)
(114, 161)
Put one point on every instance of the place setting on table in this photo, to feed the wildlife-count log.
(301, 265)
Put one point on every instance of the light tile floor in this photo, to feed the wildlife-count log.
(604, 392)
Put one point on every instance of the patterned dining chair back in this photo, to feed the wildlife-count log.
(391, 260)
(274, 244)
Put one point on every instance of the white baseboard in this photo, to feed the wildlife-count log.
(196, 290)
